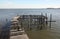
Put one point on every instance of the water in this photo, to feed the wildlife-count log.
(10, 13)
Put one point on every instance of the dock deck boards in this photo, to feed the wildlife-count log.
(24, 36)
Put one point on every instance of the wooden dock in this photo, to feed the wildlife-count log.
(24, 36)
(18, 35)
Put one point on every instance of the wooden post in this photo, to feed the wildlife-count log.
(46, 19)
(22, 23)
(29, 22)
(6, 20)
(50, 21)
(41, 22)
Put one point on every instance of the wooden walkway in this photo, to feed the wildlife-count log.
(18, 35)
(24, 36)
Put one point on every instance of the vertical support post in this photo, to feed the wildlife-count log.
(41, 21)
(6, 20)
(22, 21)
(38, 22)
(46, 23)
(29, 22)
(50, 20)
(46, 19)
(17, 27)
(21, 24)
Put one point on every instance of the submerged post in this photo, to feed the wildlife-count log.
(41, 21)
(50, 20)
(46, 19)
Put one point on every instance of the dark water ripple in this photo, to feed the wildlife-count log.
(5, 33)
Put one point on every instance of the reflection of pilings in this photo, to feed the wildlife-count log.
(5, 31)
(5, 34)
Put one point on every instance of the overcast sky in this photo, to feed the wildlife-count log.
(29, 3)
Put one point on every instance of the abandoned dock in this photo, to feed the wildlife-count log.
(22, 23)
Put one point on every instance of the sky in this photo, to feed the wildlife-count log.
(29, 3)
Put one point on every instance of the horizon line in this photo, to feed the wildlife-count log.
(30, 8)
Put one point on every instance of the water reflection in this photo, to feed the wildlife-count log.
(5, 31)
